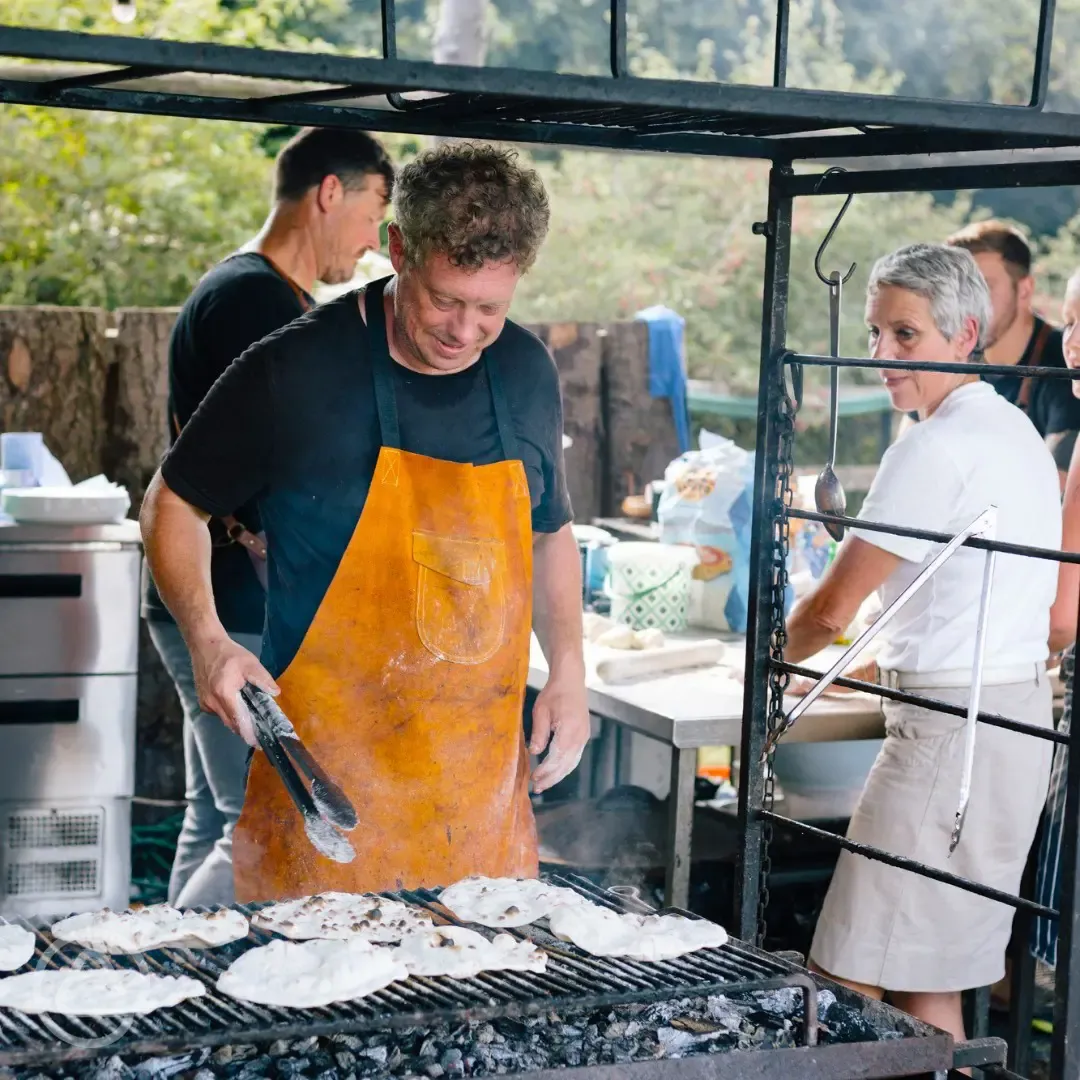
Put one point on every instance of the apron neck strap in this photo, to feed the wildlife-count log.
(382, 365)
(382, 368)
(502, 409)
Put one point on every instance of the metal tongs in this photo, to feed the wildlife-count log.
(326, 809)
(985, 525)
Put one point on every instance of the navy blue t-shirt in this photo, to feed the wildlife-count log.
(237, 303)
(292, 428)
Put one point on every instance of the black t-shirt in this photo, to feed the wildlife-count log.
(1052, 407)
(292, 426)
(237, 303)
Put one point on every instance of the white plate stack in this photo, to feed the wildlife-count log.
(96, 501)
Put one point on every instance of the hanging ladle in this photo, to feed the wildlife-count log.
(828, 491)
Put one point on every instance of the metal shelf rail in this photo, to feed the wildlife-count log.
(888, 143)
(768, 674)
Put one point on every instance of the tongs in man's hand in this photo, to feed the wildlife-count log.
(325, 808)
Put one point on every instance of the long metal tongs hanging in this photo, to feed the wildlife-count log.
(828, 491)
(985, 525)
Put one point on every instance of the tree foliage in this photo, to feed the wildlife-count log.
(128, 210)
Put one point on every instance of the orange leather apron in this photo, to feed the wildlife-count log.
(409, 684)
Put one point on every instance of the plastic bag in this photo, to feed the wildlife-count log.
(708, 503)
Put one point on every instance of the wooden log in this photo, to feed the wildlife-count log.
(53, 370)
(641, 439)
(137, 406)
(578, 352)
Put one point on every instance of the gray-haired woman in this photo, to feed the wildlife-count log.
(884, 930)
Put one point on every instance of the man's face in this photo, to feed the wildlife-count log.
(445, 316)
(1009, 297)
(348, 226)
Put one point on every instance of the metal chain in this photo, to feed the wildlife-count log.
(777, 508)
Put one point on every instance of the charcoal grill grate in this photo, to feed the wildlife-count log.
(572, 980)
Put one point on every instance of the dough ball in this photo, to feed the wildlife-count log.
(618, 637)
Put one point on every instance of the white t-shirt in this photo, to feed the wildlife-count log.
(977, 450)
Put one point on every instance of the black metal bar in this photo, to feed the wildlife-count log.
(1049, 554)
(777, 229)
(1065, 1048)
(106, 78)
(1044, 46)
(943, 178)
(819, 107)
(978, 1051)
(618, 38)
(1022, 976)
(980, 1023)
(412, 121)
(780, 43)
(960, 368)
(903, 863)
(898, 142)
(331, 93)
(388, 13)
(933, 704)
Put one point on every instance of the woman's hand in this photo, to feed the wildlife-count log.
(867, 672)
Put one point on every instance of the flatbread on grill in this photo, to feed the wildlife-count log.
(310, 974)
(602, 932)
(95, 992)
(16, 946)
(343, 915)
(155, 927)
(460, 953)
(498, 902)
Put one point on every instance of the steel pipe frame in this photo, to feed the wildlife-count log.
(810, 108)
(769, 512)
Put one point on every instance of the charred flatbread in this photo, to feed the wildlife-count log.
(157, 926)
(342, 915)
(602, 932)
(310, 974)
(460, 953)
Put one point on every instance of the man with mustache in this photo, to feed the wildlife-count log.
(403, 446)
(331, 189)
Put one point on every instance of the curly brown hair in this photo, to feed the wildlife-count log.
(473, 203)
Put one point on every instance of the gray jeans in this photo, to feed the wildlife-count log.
(215, 761)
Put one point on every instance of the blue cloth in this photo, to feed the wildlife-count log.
(667, 376)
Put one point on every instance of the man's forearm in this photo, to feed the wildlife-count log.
(557, 601)
(177, 545)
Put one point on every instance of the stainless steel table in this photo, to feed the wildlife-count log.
(703, 707)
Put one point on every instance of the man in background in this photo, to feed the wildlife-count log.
(331, 190)
(1018, 337)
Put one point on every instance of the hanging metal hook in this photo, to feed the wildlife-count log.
(829, 235)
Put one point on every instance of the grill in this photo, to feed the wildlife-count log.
(572, 981)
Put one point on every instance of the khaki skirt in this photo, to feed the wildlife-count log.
(890, 928)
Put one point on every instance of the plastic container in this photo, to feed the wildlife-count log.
(22, 455)
(649, 585)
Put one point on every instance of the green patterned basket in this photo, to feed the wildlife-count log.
(649, 585)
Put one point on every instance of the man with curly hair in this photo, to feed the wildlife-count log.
(403, 445)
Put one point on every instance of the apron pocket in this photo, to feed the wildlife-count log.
(460, 597)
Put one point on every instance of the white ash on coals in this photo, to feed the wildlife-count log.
(676, 1028)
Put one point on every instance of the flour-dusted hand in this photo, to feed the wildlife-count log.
(561, 726)
(221, 667)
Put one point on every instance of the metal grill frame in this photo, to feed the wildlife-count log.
(897, 144)
(574, 981)
(764, 653)
(621, 112)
